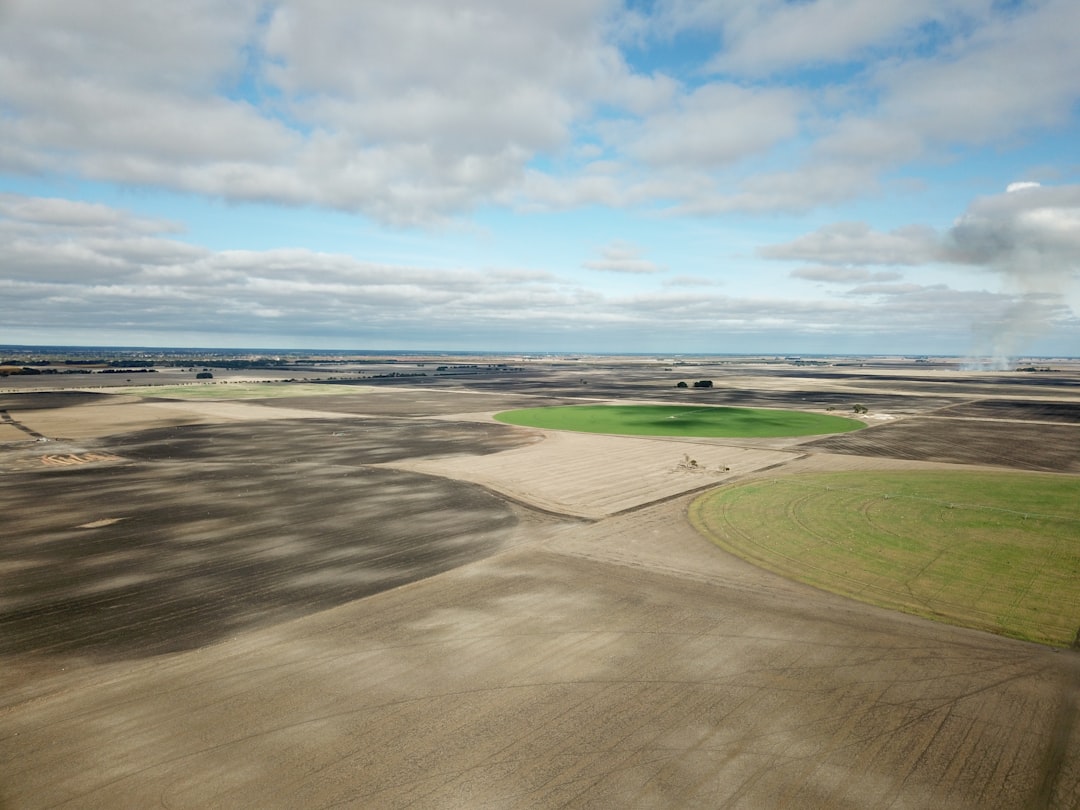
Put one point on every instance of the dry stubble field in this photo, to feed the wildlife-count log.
(381, 598)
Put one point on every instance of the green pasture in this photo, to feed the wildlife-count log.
(680, 420)
(993, 551)
(238, 390)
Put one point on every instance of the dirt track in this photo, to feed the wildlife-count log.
(622, 662)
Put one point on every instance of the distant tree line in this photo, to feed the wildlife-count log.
(9, 371)
(262, 362)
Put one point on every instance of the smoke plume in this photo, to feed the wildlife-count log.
(1030, 236)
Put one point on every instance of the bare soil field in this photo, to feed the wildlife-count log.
(1064, 412)
(413, 401)
(396, 602)
(1015, 444)
(729, 388)
(201, 531)
(594, 476)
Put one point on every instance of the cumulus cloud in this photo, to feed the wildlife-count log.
(63, 213)
(1028, 236)
(119, 273)
(765, 37)
(845, 243)
(413, 113)
(795, 190)
(101, 267)
(66, 241)
(944, 75)
(890, 289)
(1013, 73)
(714, 125)
(843, 274)
(690, 281)
(997, 74)
(623, 257)
(405, 113)
(1030, 230)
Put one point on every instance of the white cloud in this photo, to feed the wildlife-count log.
(1014, 73)
(623, 257)
(947, 75)
(812, 185)
(100, 267)
(843, 274)
(1010, 74)
(1029, 231)
(62, 213)
(415, 113)
(872, 143)
(769, 36)
(68, 242)
(59, 270)
(690, 281)
(846, 243)
(1029, 235)
(891, 289)
(403, 112)
(153, 46)
(714, 125)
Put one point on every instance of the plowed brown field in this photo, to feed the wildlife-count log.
(371, 608)
(1018, 445)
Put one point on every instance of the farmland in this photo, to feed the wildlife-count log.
(987, 550)
(239, 390)
(676, 420)
(1018, 444)
(363, 590)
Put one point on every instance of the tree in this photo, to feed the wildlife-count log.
(682, 384)
(204, 375)
(703, 384)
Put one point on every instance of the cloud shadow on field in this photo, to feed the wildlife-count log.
(216, 530)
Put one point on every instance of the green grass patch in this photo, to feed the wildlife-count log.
(239, 390)
(993, 551)
(680, 420)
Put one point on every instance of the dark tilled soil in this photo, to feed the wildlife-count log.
(1064, 412)
(619, 663)
(381, 401)
(1049, 448)
(210, 531)
(338, 441)
(47, 400)
(555, 390)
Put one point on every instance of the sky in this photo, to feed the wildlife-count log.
(595, 176)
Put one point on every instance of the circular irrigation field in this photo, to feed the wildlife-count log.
(993, 551)
(680, 420)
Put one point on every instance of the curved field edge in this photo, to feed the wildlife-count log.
(986, 550)
(709, 421)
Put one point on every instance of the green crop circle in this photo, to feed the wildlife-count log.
(993, 551)
(680, 421)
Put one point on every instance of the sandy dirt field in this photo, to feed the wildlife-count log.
(582, 475)
(364, 610)
(126, 414)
